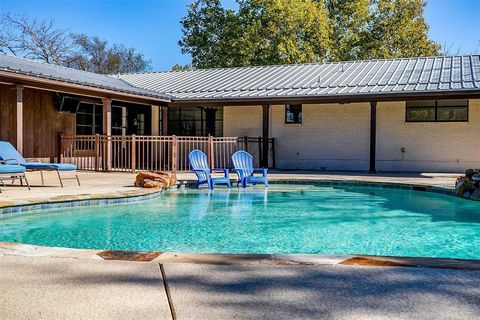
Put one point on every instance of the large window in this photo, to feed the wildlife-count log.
(89, 118)
(437, 111)
(195, 121)
(293, 113)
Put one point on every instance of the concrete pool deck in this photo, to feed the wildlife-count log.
(61, 288)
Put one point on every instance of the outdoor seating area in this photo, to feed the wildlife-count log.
(11, 157)
(242, 166)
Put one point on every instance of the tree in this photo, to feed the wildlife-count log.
(349, 20)
(178, 67)
(38, 40)
(41, 40)
(398, 30)
(283, 31)
(295, 31)
(95, 55)
(208, 31)
(261, 32)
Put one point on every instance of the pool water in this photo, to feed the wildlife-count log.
(284, 219)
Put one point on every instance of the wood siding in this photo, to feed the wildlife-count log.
(42, 121)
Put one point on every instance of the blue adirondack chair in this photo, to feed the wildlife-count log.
(10, 155)
(199, 163)
(243, 163)
(12, 172)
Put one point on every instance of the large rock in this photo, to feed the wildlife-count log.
(468, 186)
(158, 179)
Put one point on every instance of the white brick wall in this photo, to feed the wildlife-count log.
(429, 146)
(336, 137)
(242, 121)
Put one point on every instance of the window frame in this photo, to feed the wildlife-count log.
(436, 107)
(301, 113)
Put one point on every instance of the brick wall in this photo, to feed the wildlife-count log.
(336, 137)
(429, 146)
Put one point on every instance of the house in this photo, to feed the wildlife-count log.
(416, 114)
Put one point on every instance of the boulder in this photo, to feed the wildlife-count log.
(468, 186)
(158, 179)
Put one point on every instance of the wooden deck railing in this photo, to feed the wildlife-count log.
(158, 153)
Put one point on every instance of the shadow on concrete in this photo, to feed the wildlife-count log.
(323, 292)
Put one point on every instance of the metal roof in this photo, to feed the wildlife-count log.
(355, 78)
(53, 72)
(317, 80)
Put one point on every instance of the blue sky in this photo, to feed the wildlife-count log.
(153, 28)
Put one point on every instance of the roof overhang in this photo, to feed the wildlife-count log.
(77, 89)
(352, 98)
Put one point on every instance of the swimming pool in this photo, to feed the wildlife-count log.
(284, 219)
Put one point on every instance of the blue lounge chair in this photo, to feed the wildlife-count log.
(243, 163)
(199, 163)
(12, 172)
(10, 155)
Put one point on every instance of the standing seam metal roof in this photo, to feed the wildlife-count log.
(68, 75)
(408, 75)
(390, 76)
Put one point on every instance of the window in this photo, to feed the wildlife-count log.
(89, 118)
(195, 121)
(293, 113)
(119, 120)
(437, 111)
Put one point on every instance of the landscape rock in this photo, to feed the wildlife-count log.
(468, 186)
(155, 179)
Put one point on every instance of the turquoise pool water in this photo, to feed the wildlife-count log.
(284, 219)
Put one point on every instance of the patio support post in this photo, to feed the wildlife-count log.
(164, 121)
(155, 120)
(19, 113)
(134, 153)
(97, 152)
(107, 130)
(373, 136)
(211, 155)
(265, 134)
(174, 155)
(60, 147)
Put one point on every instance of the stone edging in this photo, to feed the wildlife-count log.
(339, 182)
(373, 184)
(67, 201)
(10, 248)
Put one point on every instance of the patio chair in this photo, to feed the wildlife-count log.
(243, 164)
(10, 155)
(12, 172)
(199, 163)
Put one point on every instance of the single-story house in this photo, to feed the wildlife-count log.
(415, 114)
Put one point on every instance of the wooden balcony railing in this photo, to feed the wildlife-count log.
(157, 153)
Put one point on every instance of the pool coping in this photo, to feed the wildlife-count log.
(80, 200)
(27, 250)
(376, 184)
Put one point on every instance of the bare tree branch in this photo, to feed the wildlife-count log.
(33, 39)
(41, 40)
